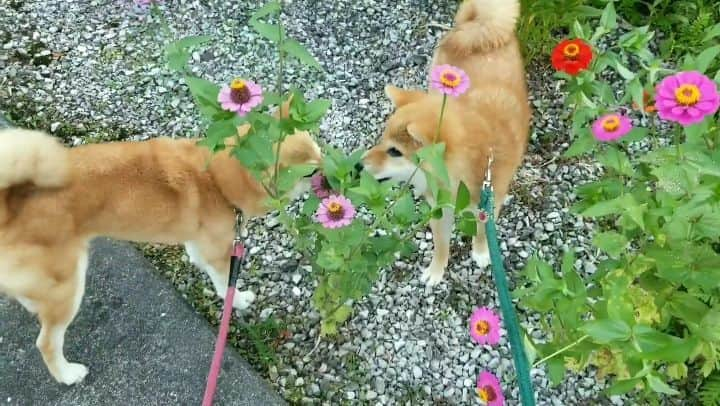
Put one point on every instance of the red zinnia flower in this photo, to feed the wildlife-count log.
(572, 56)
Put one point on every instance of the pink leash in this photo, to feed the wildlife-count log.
(235, 264)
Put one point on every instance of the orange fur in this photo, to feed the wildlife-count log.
(492, 115)
(53, 200)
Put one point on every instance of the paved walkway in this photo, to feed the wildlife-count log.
(142, 342)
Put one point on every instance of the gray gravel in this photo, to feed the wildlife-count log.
(95, 66)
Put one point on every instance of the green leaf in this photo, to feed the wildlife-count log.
(608, 19)
(675, 350)
(191, 41)
(626, 73)
(687, 307)
(578, 31)
(178, 54)
(636, 134)
(607, 331)
(205, 94)
(659, 386)
(255, 152)
(463, 198)
(712, 32)
(329, 258)
(404, 209)
(623, 386)
(706, 57)
(603, 208)
(434, 154)
(294, 48)
(611, 242)
(583, 144)
(271, 7)
(468, 224)
(289, 177)
(342, 314)
(177, 61)
(216, 134)
(269, 31)
(556, 369)
(316, 109)
(710, 325)
(617, 160)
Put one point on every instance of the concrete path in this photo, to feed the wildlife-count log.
(142, 342)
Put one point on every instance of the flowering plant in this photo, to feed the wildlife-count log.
(650, 312)
(351, 226)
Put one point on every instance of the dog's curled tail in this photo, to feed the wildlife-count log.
(28, 156)
(482, 25)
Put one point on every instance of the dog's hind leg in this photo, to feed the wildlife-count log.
(56, 312)
(214, 258)
(480, 252)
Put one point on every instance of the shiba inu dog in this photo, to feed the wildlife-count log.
(54, 200)
(491, 117)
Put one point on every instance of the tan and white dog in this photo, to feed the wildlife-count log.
(53, 200)
(492, 115)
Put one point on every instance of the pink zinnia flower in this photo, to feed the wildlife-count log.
(489, 390)
(449, 80)
(320, 185)
(686, 98)
(240, 97)
(335, 211)
(611, 127)
(484, 326)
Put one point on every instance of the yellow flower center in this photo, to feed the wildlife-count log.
(571, 50)
(239, 91)
(335, 210)
(487, 394)
(237, 84)
(687, 95)
(450, 78)
(482, 327)
(611, 123)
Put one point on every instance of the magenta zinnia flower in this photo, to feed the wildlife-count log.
(240, 97)
(489, 390)
(335, 211)
(611, 127)
(320, 185)
(686, 98)
(449, 80)
(484, 326)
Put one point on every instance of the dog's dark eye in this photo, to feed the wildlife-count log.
(394, 152)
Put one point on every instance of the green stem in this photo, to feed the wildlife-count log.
(280, 78)
(442, 114)
(560, 351)
(653, 133)
(676, 140)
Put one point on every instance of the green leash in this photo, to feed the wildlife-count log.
(522, 367)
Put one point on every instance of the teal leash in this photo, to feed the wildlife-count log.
(522, 367)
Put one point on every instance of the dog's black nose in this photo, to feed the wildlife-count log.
(359, 167)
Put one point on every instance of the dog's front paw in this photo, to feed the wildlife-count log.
(481, 258)
(432, 275)
(72, 373)
(243, 300)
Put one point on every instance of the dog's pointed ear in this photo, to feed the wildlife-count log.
(416, 135)
(401, 97)
(285, 108)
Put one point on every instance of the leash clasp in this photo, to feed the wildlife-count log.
(488, 171)
(238, 226)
